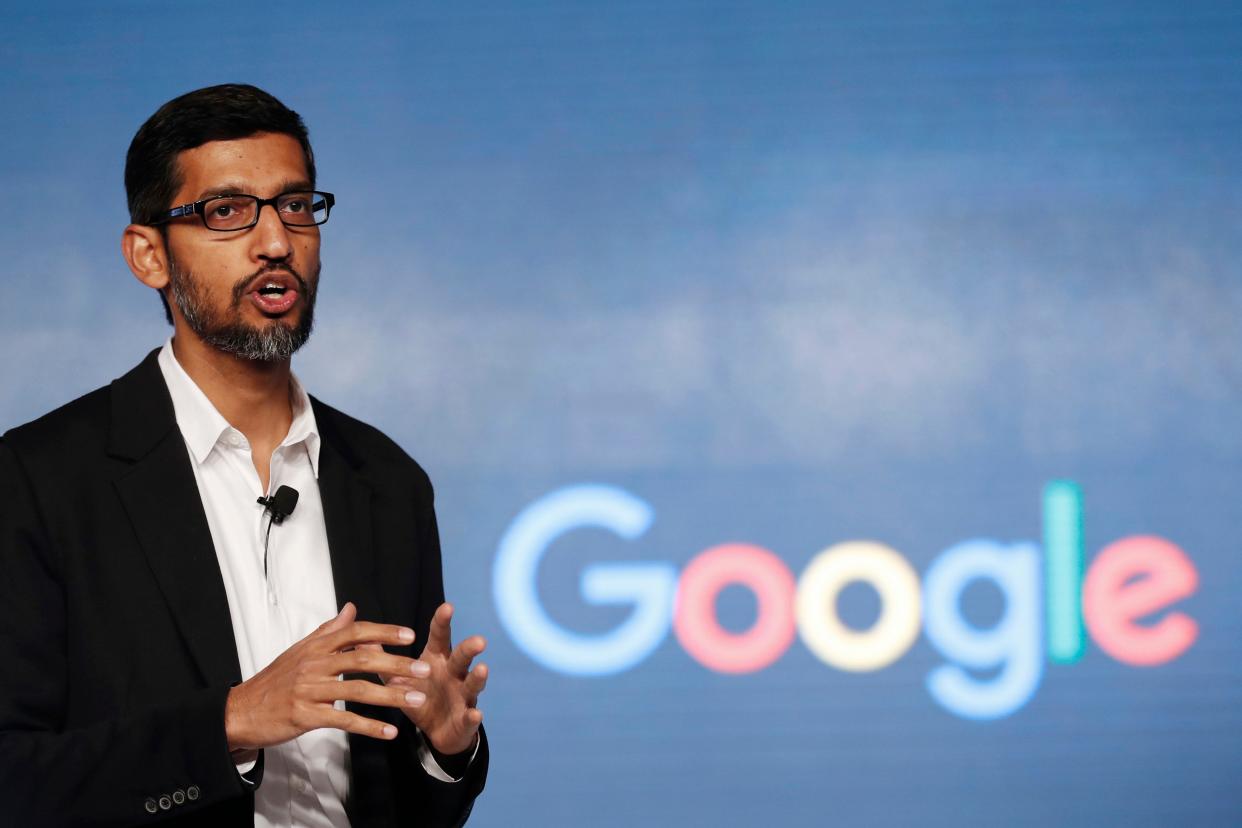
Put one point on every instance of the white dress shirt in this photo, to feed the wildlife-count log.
(306, 780)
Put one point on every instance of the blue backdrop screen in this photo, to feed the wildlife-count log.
(833, 408)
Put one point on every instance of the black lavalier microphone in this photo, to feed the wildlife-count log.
(281, 504)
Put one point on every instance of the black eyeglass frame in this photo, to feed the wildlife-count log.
(329, 201)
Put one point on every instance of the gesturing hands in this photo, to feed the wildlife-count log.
(296, 692)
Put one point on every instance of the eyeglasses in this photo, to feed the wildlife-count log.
(240, 212)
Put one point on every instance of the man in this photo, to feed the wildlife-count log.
(173, 648)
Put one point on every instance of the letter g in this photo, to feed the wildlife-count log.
(650, 587)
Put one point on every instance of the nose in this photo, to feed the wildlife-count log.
(270, 238)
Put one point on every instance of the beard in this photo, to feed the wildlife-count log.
(226, 331)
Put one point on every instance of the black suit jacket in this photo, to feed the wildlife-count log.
(116, 645)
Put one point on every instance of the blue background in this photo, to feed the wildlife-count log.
(793, 273)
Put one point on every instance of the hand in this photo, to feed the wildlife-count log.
(447, 714)
(296, 692)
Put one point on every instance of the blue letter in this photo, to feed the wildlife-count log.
(649, 587)
(1013, 644)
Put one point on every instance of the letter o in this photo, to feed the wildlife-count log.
(821, 628)
(694, 619)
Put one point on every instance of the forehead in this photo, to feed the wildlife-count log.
(262, 164)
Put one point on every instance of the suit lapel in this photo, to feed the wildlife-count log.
(163, 503)
(347, 514)
(162, 500)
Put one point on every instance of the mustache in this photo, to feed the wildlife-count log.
(239, 287)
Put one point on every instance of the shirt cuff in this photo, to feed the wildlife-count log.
(427, 757)
(251, 772)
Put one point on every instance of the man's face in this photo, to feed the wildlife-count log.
(250, 292)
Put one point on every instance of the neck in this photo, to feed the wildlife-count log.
(253, 396)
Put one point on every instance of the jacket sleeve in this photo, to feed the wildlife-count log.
(143, 765)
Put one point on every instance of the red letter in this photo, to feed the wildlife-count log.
(694, 619)
(1129, 579)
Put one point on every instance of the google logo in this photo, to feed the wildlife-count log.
(1051, 603)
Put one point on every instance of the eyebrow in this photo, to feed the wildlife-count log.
(230, 189)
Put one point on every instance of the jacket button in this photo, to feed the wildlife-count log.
(150, 806)
(191, 793)
(178, 797)
(165, 802)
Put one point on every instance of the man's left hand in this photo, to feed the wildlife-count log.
(448, 715)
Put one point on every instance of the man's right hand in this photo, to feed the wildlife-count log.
(297, 691)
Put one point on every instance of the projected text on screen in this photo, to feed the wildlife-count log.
(1051, 605)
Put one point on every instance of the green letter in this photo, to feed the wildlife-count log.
(1063, 570)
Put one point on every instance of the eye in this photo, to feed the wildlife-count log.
(229, 212)
(227, 207)
(295, 204)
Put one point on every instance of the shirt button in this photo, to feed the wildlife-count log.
(299, 785)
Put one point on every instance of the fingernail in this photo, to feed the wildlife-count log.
(406, 634)
(390, 731)
(414, 698)
(421, 669)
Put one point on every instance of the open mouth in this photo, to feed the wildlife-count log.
(274, 294)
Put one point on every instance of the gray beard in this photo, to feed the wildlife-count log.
(226, 332)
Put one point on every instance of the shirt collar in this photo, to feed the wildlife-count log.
(304, 429)
(203, 427)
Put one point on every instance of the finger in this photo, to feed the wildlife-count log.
(440, 637)
(343, 618)
(459, 661)
(371, 660)
(366, 632)
(353, 723)
(368, 692)
(401, 680)
(379, 648)
(475, 683)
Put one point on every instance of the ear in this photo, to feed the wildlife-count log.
(146, 254)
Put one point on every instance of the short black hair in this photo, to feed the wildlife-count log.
(215, 113)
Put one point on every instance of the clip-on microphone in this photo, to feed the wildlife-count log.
(279, 506)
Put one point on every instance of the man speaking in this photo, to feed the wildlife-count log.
(223, 601)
